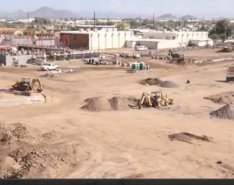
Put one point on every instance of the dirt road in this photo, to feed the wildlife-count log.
(131, 143)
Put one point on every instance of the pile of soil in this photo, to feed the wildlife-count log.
(223, 98)
(225, 112)
(158, 82)
(24, 155)
(188, 137)
(97, 104)
(135, 176)
(116, 103)
(169, 84)
(122, 103)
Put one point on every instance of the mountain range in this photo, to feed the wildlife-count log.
(47, 12)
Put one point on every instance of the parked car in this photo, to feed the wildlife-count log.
(49, 67)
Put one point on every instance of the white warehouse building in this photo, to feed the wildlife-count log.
(100, 37)
(170, 39)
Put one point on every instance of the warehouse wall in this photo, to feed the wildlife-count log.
(182, 37)
(168, 44)
(108, 40)
(75, 41)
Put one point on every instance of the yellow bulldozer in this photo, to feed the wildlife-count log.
(155, 99)
(26, 85)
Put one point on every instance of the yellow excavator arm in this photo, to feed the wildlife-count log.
(34, 81)
(145, 99)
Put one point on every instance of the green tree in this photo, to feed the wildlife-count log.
(215, 36)
(223, 28)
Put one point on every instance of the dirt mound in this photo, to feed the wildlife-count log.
(13, 132)
(135, 176)
(23, 155)
(158, 82)
(97, 104)
(116, 103)
(225, 112)
(188, 137)
(223, 98)
(151, 81)
(169, 84)
(122, 103)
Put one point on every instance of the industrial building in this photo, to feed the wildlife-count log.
(169, 39)
(9, 60)
(153, 43)
(95, 38)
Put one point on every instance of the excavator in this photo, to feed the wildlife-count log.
(155, 99)
(26, 85)
(178, 57)
(227, 49)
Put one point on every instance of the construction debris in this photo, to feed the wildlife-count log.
(188, 137)
(135, 176)
(226, 167)
(158, 82)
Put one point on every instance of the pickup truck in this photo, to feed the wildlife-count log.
(49, 67)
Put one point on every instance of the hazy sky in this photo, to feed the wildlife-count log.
(213, 8)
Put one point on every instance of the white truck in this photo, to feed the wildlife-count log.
(140, 48)
(49, 67)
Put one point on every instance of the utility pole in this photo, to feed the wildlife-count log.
(153, 22)
(94, 20)
(28, 17)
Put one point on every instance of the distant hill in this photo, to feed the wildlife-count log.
(167, 16)
(188, 17)
(43, 12)
(46, 12)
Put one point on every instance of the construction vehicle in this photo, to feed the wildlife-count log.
(230, 74)
(226, 49)
(175, 56)
(155, 99)
(26, 85)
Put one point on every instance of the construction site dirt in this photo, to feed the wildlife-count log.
(88, 127)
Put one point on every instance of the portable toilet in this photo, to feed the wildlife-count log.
(142, 66)
(133, 66)
(136, 66)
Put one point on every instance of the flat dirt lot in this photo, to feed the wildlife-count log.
(58, 139)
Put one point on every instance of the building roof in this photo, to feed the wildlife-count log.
(155, 31)
(75, 32)
(97, 26)
(150, 40)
